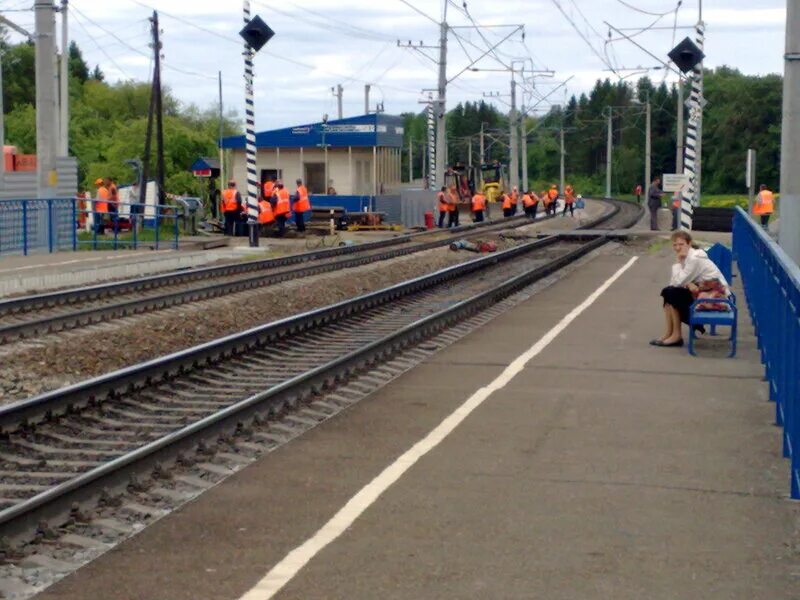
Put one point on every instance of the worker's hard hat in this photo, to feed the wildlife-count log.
(98, 181)
(579, 196)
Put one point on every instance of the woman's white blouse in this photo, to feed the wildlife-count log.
(697, 267)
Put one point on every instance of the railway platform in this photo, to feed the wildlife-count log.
(551, 453)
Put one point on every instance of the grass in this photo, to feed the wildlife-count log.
(147, 235)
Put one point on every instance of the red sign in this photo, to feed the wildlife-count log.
(202, 173)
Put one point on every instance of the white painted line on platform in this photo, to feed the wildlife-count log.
(285, 571)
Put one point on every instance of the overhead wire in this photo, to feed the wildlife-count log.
(100, 48)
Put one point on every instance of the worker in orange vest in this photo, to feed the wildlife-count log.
(514, 200)
(282, 207)
(230, 207)
(452, 207)
(302, 205)
(507, 203)
(569, 201)
(530, 204)
(764, 205)
(266, 216)
(553, 195)
(442, 205)
(100, 206)
(478, 206)
(268, 189)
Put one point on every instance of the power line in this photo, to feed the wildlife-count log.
(647, 12)
(99, 47)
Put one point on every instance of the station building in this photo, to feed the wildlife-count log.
(361, 155)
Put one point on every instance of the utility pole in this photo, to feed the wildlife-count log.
(514, 135)
(162, 196)
(441, 103)
(337, 91)
(410, 159)
(64, 115)
(789, 236)
(483, 145)
(609, 149)
(562, 179)
(523, 150)
(698, 74)
(366, 99)
(679, 132)
(46, 133)
(647, 147)
(221, 135)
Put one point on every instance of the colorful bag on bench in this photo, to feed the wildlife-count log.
(710, 288)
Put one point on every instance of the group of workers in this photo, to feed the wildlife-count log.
(275, 207)
(448, 204)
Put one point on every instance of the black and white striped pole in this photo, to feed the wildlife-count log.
(256, 33)
(431, 143)
(688, 56)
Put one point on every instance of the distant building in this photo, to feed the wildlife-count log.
(363, 155)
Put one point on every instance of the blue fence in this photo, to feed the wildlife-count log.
(130, 226)
(772, 284)
(37, 225)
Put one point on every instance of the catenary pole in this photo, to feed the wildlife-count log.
(221, 135)
(441, 102)
(609, 149)
(64, 99)
(562, 177)
(524, 150)
(250, 136)
(691, 153)
(648, 156)
(366, 99)
(789, 229)
(514, 137)
(338, 91)
(46, 142)
(162, 195)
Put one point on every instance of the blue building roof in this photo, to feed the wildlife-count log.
(365, 131)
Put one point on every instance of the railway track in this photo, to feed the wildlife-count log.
(38, 315)
(64, 446)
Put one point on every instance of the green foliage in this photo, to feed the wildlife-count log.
(108, 123)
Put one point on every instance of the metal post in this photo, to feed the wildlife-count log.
(469, 152)
(64, 117)
(647, 145)
(679, 131)
(431, 144)
(366, 99)
(221, 134)
(250, 134)
(514, 137)
(46, 143)
(691, 154)
(410, 160)
(609, 149)
(751, 179)
(562, 176)
(159, 113)
(441, 103)
(374, 171)
(700, 39)
(789, 237)
(350, 169)
(483, 145)
(524, 152)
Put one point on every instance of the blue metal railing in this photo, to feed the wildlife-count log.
(771, 282)
(55, 224)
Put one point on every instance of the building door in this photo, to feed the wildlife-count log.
(315, 177)
(267, 173)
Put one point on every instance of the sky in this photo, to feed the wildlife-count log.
(321, 43)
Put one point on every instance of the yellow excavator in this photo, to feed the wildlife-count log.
(493, 181)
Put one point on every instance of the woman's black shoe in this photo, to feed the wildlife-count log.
(661, 344)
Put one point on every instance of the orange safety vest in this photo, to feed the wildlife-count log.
(101, 204)
(265, 215)
(638, 190)
(767, 204)
(452, 201)
(514, 198)
(546, 198)
(269, 187)
(676, 200)
(229, 203)
(478, 202)
(443, 205)
(282, 205)
(507, 204)
(569, 196)
(553, 194)
(302, 204)
(529, 200)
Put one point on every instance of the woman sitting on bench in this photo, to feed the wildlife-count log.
(694, 275)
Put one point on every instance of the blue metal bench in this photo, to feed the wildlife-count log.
(723, 258)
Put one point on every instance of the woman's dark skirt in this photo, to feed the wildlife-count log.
(679, 298)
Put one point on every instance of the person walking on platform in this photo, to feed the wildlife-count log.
(530, 204)
(452, 207)
(478, 207)
(654, 194)
(764, 205)
(282, 207)
(569, 201)
(302, 205)
(100, 209)
(443, 206)
(231, 207)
